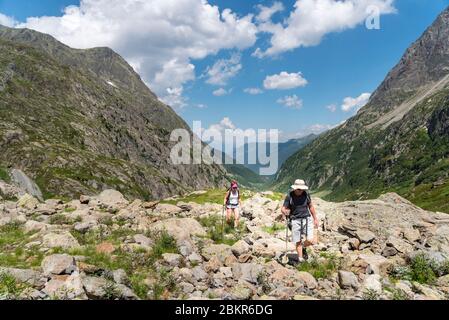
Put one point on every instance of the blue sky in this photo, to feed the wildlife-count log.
(343, 64)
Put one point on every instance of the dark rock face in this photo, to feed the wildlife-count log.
(81, 121)
(425, 61)
(439, 122)
(398, 141)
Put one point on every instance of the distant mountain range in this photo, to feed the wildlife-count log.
(398, 142)
(249, 174)
(80, 121)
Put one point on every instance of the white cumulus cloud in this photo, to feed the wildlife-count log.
(7, 21)
(311, 20)
(223, 70)
(292, 102)
(265, 13)
(350, 103)
(156, 37)
(284, 81)
(253, 91)
(332, 107)
(221, 92)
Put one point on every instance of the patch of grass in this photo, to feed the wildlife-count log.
(398, 294)
(421, 269)
(106, 221)
(210, 196)
(276, 196)
(163, 243)
(94, 237)
(10, 289)
(138, 286)
(69, 209)
(320, 267)
(4, 175)
(60, 219)
(220, 231)
(263, 282)
(274, 228)
(166, 284)
(370, 294)
(10, 235)
(110, 291)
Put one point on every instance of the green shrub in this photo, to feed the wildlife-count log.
(163, 243)
(220, 231)
(9, 287)
(421, 269)
(274, 228)
(138, 286)
(322, 267)
(370, 294)
(110, 291)
(166, 283)
(399, 294)
(4, 175)
(60, 219)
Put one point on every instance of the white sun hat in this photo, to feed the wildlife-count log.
(300, 184)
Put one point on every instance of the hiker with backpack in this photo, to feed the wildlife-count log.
(232, 203)
(298, 208)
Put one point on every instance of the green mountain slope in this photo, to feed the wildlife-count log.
(79, 121)
(398, 142)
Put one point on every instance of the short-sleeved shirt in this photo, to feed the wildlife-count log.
(299, 205)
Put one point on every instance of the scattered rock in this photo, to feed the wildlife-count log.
(31, 277)
(354, 243)
(112, 198)
(84, 199)
(365, 235)
(172, 259)
(58, 264)
(372, 283)
(247, 271)
(60, 240)
(308, 280)
(220, 250)
(240, 247)
(120, 277)
(32, 226)
(348, 280)
(27, 201)
(143, 240)
(389, 252)
(105, 247)
(399, 245)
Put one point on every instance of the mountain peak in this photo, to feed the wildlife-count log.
(425, 62)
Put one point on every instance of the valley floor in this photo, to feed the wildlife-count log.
(105, 247)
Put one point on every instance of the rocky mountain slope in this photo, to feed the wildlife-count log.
(398, 142)
(81, 121)
(105, 247)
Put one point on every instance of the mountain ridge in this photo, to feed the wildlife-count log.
(76, 129)
(394, 143)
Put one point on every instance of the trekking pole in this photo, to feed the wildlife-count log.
(222, 221)
(285, 257)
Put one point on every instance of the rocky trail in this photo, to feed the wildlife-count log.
(105, 247)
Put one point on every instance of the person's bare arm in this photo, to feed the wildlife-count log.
(313, 212)
(225, 198)
(285, 211)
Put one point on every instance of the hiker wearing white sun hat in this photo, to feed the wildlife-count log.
(298, 208)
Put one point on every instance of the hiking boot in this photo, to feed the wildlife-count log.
(298, 262)
(305, 254)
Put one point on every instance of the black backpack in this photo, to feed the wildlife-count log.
(291, 205)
